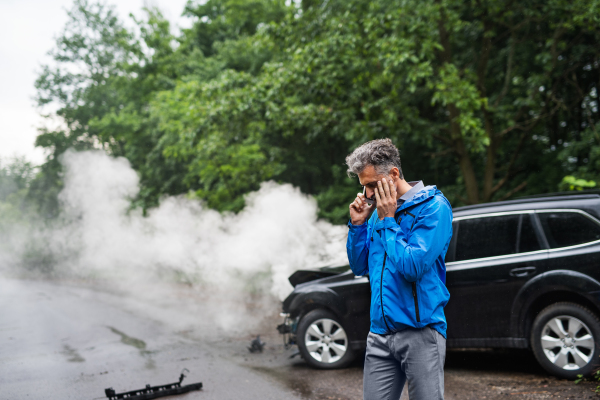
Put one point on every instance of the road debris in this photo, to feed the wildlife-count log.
(154, 392)
(256, 345)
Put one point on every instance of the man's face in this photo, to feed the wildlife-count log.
(369, 178)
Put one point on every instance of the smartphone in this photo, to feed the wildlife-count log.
(369, 201)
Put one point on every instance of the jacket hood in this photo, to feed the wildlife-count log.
(424, 194)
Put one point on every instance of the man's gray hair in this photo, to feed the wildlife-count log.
(380, 153)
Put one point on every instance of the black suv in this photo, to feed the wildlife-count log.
(522, 274)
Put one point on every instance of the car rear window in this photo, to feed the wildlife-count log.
(564, 229)
(495, 236)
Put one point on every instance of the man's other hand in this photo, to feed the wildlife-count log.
(360, 211)
(385, 194)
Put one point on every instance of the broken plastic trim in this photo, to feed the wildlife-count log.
(154, 392)
(288, 330)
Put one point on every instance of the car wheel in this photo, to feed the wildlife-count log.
(565, 340)
(323, 341)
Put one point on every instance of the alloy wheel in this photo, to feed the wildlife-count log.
(326, 341)
(567, 342)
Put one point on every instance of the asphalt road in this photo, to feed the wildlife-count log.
(67, 341)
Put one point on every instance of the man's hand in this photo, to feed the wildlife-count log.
(360, 211)
(385, 194)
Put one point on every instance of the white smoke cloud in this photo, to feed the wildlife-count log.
(228, 257)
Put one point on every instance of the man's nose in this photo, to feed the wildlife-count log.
(370, 193)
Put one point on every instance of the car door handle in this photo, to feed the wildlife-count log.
(521, 272)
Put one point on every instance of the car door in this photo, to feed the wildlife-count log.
(574, 240)
(494, 256)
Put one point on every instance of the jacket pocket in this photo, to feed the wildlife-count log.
(381, 293)
(416, 299)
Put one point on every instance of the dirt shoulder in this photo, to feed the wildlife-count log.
(469, 374)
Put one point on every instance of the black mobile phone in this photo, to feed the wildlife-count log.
(369, 201)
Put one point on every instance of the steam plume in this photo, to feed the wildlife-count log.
(228, 257)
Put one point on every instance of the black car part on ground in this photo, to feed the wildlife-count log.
(507, 263)
(256, 345)
(154, 392)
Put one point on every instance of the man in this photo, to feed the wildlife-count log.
(400, 241)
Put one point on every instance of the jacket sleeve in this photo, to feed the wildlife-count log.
(429, 235)
(357, 248)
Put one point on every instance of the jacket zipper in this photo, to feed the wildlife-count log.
(414, 290)
(381, 293)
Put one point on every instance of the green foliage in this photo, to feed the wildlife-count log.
(569, 182)
(485, 99)
(228, 21)
(594, 378)
(16, 175)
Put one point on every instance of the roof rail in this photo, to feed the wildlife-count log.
(531, 199)
(554, 194)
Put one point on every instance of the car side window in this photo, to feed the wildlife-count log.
(487, 237)
(564, 229)
(528, 240)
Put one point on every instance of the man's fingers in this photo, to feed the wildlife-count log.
(359, 201)
(386, 188)
(393, 190)
(356, 205)
(377, 197)
(385, 195)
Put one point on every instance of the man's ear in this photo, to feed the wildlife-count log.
(395, 173)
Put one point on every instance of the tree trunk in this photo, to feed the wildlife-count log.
(490, 162)
(464, 159)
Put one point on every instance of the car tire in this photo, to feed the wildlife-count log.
(322, 340)
(565, 339)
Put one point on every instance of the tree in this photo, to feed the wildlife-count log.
(485, 99)
(15, 177)
(105, 78)
(479, 81)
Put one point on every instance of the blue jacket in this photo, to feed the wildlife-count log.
(405, 263)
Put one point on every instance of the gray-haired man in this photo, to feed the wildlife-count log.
(400, 240)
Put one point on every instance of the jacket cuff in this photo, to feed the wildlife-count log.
(387, 222)
(354, 227)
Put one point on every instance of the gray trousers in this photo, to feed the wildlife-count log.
(413, 355)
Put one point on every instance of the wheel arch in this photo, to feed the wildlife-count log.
(324, 298)
(549, 288)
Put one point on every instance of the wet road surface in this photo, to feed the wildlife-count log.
(61, 341)
(64, 342)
